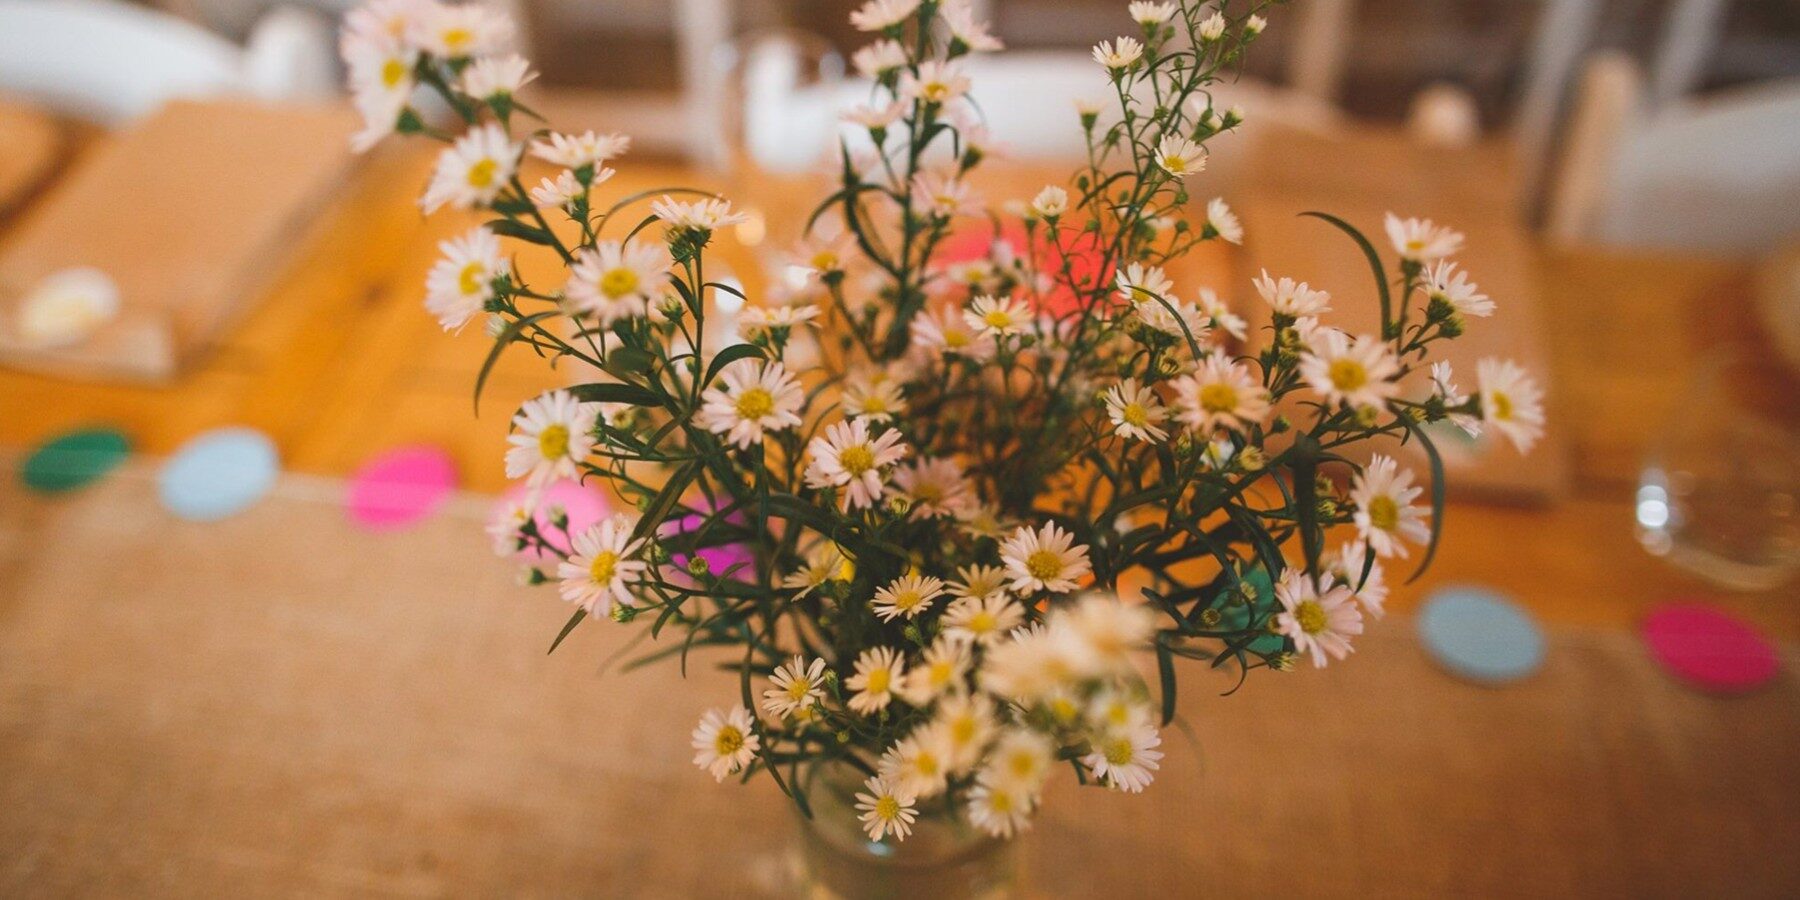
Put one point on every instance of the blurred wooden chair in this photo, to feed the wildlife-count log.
(110, 62)
(1719, 174)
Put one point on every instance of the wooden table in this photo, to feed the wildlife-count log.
(30, 144)
(341, 362)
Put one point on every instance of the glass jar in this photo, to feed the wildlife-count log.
(944, 856)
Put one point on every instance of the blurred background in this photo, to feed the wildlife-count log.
(251, 634)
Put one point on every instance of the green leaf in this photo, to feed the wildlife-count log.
(1165, 670)
(630, 359)
(666, 500)
(1437, 495)
(728, 356)
(574, 620)
(1381, 279)
(611, 392)
(1306, 500)
(506, 337)
(521, 231)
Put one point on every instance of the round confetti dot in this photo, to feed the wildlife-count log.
(1709, 649)
(219, 474)
(74, 460)
(400, 487)
(1480, 635)
(584, 506)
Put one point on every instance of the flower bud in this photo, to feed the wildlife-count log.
(622, 614)
(698, 567)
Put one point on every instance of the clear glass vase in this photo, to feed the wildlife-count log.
(944, 858)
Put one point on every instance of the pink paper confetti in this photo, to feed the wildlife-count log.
(1709, 649)
(400, 487)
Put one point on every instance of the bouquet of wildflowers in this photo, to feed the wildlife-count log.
(902, 498)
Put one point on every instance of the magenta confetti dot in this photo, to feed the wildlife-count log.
(400, 487)
(585, 507)
(1709, 649)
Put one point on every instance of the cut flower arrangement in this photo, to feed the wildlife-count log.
(903, 500)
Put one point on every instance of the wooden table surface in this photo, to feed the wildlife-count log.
(341, 362)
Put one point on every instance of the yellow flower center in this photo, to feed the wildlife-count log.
(956, 340)
(935, 91)
(553, 441)
(798, 689)
(1415, 245)
(755, 403)
(457, 38)
(1064, 709)
(878, 681)
(472, 277)
(825, 260)
(997, 319)
(962, 730)
(1022, 764)
(941, 673)
(1384, 513)
(983, 622)
(925, 764)
(1118, 751)
(1218, 398)
(1000, 802)
(874, 404)
(907, 600)
(604, 565)
(857, 459)
(618, 282)
(1348, 374)
(928, 492)
(887, 808)
(1175, 163)
(1135, 414)
(391, 72)
(1044, 564)
(729, 740)
(1311, 616)
(481, 174)
(1503, 406)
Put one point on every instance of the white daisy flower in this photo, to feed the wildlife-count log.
(496, 77)
(1254, 25)
(947, 330)
(885, 808)
(917, 764)
(1347, 568)
(824, 562)
(1047, 559)
(1107, 631)
(460, 31)
(872, 117)
(754, 320)
(878, 59)
(997, 316)
(463, 280)
(755, 397)
(1385, 515)
(381, 83)
(1443, 384)
(798, 686)
(1290, 298)
(1147, 13)
(507, 525)
(1050, 203)
(562, 191)
(1179, 156)
(959, 17)
(1136, 412)
(1421, 241)
(879, 673)
(391, 19)
(979, 582)
(1319, 618)
(1445, 284)
(880, 15)
(551, 435)
(877, 400)
(1222, 316)
(614, 281)
(1113, 710)
(1119, 55)
(472, 171)
(1222, 393)
(724, 741)
(999, 809)
(1126, 760)
(941, 669)
(967, 720)
(945, 195)
(981, 619)
(1178, 319)
(847, 457)
(981, 520)
(705, 214)
(936, 82)
(1220, 220)
(599, 573)
(933, 487)
(572, 151)
(1212, 27)
(1021, 759)
(1358, 372)
(908, 595)
(1511, 401)
(1139, 283)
